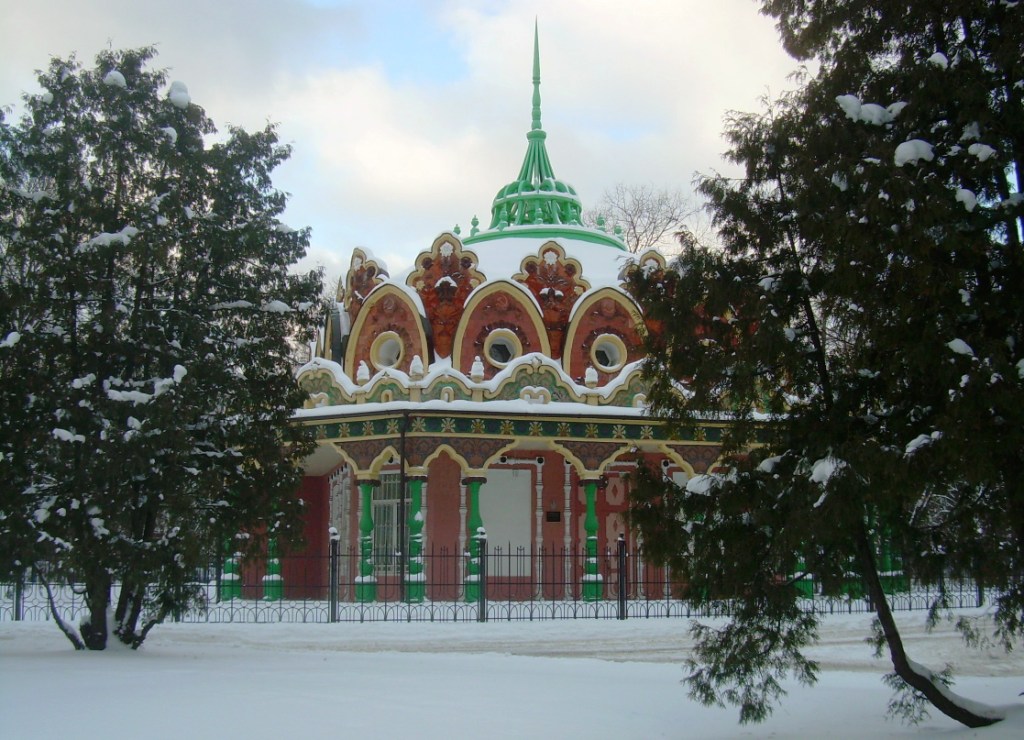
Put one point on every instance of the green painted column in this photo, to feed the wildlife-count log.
(804, 586)
(366, 581)
(273, 583)
(593, 588)
(231, 578)
(416, 579)
(890, 566)
(476, 532)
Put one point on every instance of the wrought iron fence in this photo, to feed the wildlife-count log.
(506, 583)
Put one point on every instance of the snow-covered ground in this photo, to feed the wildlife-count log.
(569, 679)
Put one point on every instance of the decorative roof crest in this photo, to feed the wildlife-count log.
(444, 277)
(364, 274)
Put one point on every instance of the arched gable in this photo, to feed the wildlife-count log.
(387, 456)
(322, 387)
(654, 268)
(604, 334)
(444, 277)
(388, 316)
(631, 389)
(672, 459)
(535, 380)
(446, 449)
(365, 459)
(447, 388)
(592, 466)
(499, 312)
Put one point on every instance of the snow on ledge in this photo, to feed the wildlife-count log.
(500, 408)
(443, 369)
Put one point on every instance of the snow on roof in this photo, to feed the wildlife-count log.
(503, 258)
(443, 368)
(369, 256)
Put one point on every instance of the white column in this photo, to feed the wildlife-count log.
(340, 503)
(428, 562)
(423, 507)
(641, 582)
(462, 531)
(567, 541)
(538, 537)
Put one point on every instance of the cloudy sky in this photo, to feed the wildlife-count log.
(406, 116)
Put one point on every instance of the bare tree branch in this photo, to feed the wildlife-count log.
(649, 218)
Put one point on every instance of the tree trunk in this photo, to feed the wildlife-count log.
(129, 606)
(68, 631)
(97, 597)
(133, 586)
(916, 676)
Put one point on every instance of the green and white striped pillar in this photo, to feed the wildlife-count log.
(476, 534)
(366, 581)
(231, 577)
(273, 583)
(593, 586)
(415, 579)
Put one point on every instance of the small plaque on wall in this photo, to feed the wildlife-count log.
(553, 516)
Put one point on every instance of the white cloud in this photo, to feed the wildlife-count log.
(407, 117)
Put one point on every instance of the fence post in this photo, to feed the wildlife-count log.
(481, 613)
(623, 579)
(19, 597)
(333, 571)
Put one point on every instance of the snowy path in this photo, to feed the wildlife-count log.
(587, 679)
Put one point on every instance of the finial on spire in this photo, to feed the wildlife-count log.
(536, 202)
(536, 78)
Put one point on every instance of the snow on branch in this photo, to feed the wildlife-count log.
(976, 708)
(276, 307)
(113, 78)
(960, 347)
(913, 151)
(872, 113)
(702, 485)
(105, 239)
(920, 441)
(178, 95)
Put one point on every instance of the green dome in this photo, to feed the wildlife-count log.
(537, 199)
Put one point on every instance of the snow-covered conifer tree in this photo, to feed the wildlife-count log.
(145, 380)
(864, 331)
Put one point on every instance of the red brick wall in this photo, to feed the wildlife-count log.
(443, 527)
(305, 570)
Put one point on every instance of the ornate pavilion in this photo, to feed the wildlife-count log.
(497, 382)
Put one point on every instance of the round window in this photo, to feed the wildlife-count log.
(387, 350)
(608, 353)
(502, 346)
